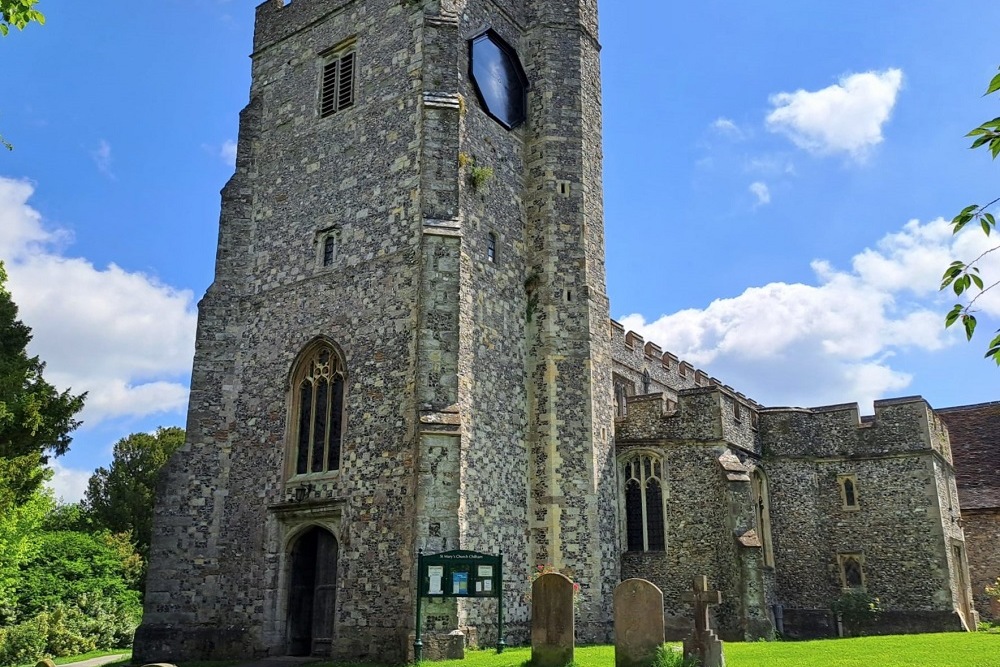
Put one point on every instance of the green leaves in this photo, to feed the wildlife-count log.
(994, 86)
(961, 276)
(18, 13)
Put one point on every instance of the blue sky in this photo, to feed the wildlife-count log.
(776, 175)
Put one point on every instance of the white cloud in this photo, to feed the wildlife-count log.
(68, 484)
(123, 336)
(844, 118)
(761, 191)
(727, 127)
(102, 158)
(228, 152)
(816, 344)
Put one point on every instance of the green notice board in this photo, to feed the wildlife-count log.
(460, 574)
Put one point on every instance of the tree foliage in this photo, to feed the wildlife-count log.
(120, 498)
(18, 13)
(963, 278)
(35, 419)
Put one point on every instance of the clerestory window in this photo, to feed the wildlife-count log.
(645, 528)
(337, 83)
(317, 410)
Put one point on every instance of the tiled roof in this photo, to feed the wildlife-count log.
(974, 431)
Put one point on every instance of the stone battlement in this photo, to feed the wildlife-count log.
(900, 425)
(667, 373)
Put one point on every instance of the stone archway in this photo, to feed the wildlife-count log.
(312, 593)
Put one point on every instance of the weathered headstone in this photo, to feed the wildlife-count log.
(638, 623)
(702, 643)
(45, 662)
(552, 621)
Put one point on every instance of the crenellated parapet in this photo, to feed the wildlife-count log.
(642, 367)
(900, 425)
(699, 415)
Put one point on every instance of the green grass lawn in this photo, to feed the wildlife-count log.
(936, 650)
(127, 652)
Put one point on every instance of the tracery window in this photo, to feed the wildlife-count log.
(317, 410)
(762, 502)
(646, 381)
(645, 528)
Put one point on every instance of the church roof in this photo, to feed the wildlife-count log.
(974, 431)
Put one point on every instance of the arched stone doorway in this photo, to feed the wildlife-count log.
(312, 594)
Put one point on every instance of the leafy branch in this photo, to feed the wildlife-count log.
(961, 276)
(18, 13)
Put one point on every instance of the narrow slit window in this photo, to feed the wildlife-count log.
(848, 491)
(329, 249)
(491, 248)
(338, 81)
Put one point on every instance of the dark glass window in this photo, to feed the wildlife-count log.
(499, 79)
(329, 249)
(654, 515)
(320, 404)
(633, 515)
(491, 248)
(646, 382)
(645, 526)
(849, 498)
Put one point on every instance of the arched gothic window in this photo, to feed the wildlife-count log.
(645, 528)
(317, 410)
(646, 381)
(852, 572)
(762, 502)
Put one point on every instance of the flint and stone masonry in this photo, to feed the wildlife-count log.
(407, 346)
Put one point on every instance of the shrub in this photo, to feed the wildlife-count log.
(668, 656)
(857, 608)
(24, 642)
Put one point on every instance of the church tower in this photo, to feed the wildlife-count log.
(406, 345)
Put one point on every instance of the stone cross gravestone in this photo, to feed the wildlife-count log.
(552, 622)
(639, 631)
(702, 642)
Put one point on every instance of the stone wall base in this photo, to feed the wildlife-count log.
(172, 643)
(183, 643)
(820, 623)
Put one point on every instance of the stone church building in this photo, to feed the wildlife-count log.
(408, 346)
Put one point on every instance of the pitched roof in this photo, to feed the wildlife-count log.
(974, 431)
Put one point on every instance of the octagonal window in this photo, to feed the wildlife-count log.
(499, 79)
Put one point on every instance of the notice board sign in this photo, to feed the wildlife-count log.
(459, 574)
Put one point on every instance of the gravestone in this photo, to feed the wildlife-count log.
(702, 643)
(638, 623)
(45, 662)
(552, 621)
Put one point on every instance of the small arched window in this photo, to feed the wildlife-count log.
(317, 410)
(645, 527)
(848, 491)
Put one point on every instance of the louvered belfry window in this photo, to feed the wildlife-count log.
(337, 86)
